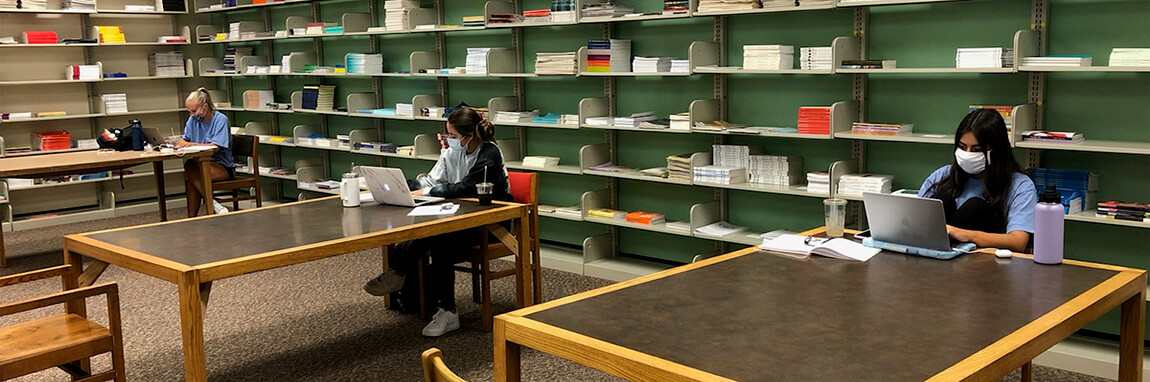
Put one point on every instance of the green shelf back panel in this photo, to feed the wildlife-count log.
(1110, 107)
(926, 36)
(396, 51)
(564, 144)
(643, 149)
(764, 213)
(775, 100)
(557, 39)
(673, 248)
(798, 29)
(568, 232)
(559, 95)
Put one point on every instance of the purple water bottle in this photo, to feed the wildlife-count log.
(1048, 227)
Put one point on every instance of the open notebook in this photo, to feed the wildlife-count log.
(802, 247)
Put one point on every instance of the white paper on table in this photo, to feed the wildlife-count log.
(192, 149)
(434, 210)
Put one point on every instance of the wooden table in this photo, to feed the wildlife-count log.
(192, 253)
(82, 162)
(751, 316)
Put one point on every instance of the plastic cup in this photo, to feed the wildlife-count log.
(484, 191)
(835, 214)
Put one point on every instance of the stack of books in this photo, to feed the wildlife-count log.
(32, 4)
(606, 9)
(778, 170)
(166, 64)
(815, 120)
(1052, 136)
(172, 39)
(1113, 209)
(365, 63)
(768, 57)
(560, 64)
(573, 211)
(82, 72)
(404, 109)
(815, 58)
(473, 21)
(1077, 188)
(609, 55)
(318, 28)
(15, 116)
(607, 213)
(395, 14)
(716, 174)
(868, 64)
(680, 121)
(563, 11)
(504, 18)
(81, 5)
(885, 129)
(537, 16)
(258, 99)
(732, 155)
(318, 97)
(633, 120)
(115, 103)
(643, 64)
(676, 7)
(232, 58)
(52, 140)
(1130, 57)
(679, 167)
(819, 182)
(728, 5)
(514, 116)
(1004, 110)
(984, 58)
(540, 161)
(680, 66)
(40, 37)
(477, 60)
(857, 184)
(1058, 61)
(645, 218)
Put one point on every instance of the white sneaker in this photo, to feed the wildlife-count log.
(441, 323)
(220, 209)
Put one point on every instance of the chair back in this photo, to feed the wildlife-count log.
(246, 146)
(524, 187)
(434, 370)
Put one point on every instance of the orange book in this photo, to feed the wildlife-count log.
(646, 218)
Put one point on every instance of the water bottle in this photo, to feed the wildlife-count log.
(349, 190)
(1048, 227)
(137, 132)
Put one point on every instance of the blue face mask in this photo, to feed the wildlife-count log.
(454, 144)
(198, 118)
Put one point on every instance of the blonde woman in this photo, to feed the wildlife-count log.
(206, 127)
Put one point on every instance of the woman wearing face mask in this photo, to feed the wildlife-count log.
(471, 157)
(206, 127)
(988, 200)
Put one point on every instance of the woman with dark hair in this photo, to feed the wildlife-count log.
(988, 200)
(471, 157)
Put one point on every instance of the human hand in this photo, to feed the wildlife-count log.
(417, 192)
(959, 234)
(182, 144)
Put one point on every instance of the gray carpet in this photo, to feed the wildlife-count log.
(308, 322)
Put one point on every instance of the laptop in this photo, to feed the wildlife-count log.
(153, 137)
(911, 225)
(389, 186)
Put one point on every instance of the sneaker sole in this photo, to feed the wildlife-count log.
(448, 330)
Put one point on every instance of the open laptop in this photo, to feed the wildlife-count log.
(910, 225)
(153, 137)
(389, 186)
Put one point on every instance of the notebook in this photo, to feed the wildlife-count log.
(804, 246)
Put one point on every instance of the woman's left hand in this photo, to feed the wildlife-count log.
(183, 144)
(959, 234)
(417, 192)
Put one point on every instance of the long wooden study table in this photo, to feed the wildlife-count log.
(192, 253)
(81, 162)
(753, 316)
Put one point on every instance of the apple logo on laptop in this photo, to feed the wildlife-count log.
(386, 187)
(905, 221)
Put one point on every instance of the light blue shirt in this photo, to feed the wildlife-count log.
(1019, 206)
(216, 131)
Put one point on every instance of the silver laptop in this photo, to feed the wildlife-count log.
(389, 186)
(153, 137)
(907, 220)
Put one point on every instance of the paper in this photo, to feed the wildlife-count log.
(192, 149)
(434, 210)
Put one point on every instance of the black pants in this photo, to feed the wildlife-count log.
(439, 277)
(976, 214)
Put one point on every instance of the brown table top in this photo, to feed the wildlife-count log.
(763, 317)
(72, 162)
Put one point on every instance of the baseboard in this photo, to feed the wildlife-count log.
(1087, 356)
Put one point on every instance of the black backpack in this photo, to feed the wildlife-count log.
(115, 139)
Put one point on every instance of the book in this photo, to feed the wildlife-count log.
(607, 213)
(803, 247)
(645, 218)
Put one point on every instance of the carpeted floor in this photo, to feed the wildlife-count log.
(308, 322)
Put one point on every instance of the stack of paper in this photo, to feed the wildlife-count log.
(477, 60)
(164, 64)
(473, 21)
(732, 155)
(606, 9)
(52, 140)
(681, 121)
(365, 63)
(404, 109)
(258, 99)
(645, 218)
(139, 8)
(172, 39)
(564, 63)
(856, 184)
(1053, 136)
(885, 129)
(395, 16)
(768, 57)
(984, 58)
(537, 16)
(540, 161)
(775, 169)
(720, 174)
(716, 126)
(819, 182)
(40, 37)
(719, 229)
(727, 5)
(514, 116)
(643, 64)
(15, 116)
(82, 72)
(679, 167)
(78, 4)
(115, 103)
(656, 124)
(815, 58)
(1130, 57)
(1060, 61)
(633, 119)
(814, 120)
(31, 4)
(673, 7)
(506, 18)
(680, 66)
(609, 55)
(606, 213)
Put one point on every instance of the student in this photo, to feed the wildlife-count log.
(471, 154)
(988, 200)
(206, 127)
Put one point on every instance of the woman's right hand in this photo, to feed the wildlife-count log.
(182, 144)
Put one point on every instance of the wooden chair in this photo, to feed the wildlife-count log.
(63, 340)
(242, 146)
(434, 370)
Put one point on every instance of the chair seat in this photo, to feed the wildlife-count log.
(494, 251)
(35, 345)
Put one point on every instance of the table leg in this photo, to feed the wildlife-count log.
(523, 262)
(506, 355)
(206, 176)
(1132, 332)
(1027, 372)
(383, 252)
(90, 275)
(192, 327)
(161, 191)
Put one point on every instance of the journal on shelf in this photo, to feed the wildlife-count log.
(803, 247)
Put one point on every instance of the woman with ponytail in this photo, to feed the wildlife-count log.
(471, 158)
(206, 127)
